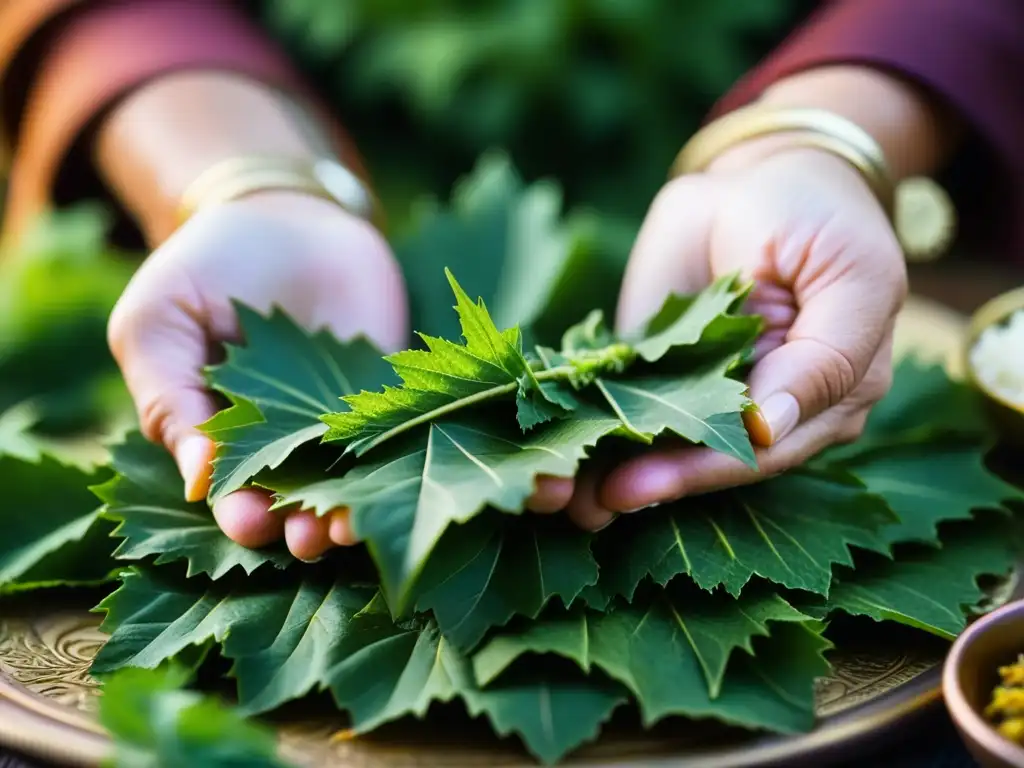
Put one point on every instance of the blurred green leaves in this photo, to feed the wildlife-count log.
(600, 93)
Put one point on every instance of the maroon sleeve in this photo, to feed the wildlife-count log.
(969, 53)
(96, 53)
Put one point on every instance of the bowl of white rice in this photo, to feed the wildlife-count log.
(994, 359)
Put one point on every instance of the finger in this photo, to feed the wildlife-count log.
(551, 494)
(161, 351)
(692, 470)
(584, 509)
(670, 253)
(339, 527)
(824, 359)
(307, 535)
(246, 518)
(670, 474)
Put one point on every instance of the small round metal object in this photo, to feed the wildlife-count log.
(924, 219)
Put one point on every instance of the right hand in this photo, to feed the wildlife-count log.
(323, 266)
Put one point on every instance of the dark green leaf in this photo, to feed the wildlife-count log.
(403, 501)
(52, 531)
(147, 499)
(927, 483)
(926, 587)
(790, 530)
(496, 566)
(280, 383)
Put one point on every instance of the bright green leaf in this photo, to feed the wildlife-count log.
(154, 724)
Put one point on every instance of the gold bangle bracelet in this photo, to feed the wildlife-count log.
(823, 130)
(237, 177)
(918, 208)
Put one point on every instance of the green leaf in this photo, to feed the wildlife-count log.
(664, 658)
(403, 501)
(790, 530)
(539, 269)
(703, 324)
(155, 723)
(705, 628)
(52, 531)
(280, 384)
(283, 634)
(400, 672)
(15, 433)
(146, 498)
(496, 566)
(703, 407)
(926, 587)
(288, 637)
(445, 378)
(927, 483)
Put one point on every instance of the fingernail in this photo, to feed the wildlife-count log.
(642, 508)
(194, 456)
(782, 412)
(611, 520)
(311, 562)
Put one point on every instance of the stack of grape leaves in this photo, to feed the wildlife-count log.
(711, 607)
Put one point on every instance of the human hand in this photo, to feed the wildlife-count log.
(323, 266)
(830, 278)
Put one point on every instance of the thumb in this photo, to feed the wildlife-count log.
(826, 352)
(161, 352)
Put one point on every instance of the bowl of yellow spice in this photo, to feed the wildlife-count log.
(983, 685)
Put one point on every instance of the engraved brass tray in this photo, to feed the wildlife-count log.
(883, 678)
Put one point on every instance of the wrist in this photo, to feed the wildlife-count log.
(158, 140)
(916, 134)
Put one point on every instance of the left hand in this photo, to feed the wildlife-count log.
(830, 278)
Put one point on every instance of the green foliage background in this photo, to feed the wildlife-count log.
(599, 94)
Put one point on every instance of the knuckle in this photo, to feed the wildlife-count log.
(675, 195)
(836, 375)
(852, 428)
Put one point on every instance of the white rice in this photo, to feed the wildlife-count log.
(997, 359)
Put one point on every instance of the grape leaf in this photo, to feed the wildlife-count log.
(53, 534)
(289, 636)
(448, 376)
(923, 404)
(707, 627)
(155, 723)
(541, 271)
(400, 672)
(15, 437)
(926, 587)
(790, 530)
(403, 501)
(703, 324)
(146, 499)
(282, 634)
(279, 384)
(649, 650)
(704, 407)
(927, 485)
(496, 566)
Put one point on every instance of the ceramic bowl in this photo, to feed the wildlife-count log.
(1007, 417)
(969, 676)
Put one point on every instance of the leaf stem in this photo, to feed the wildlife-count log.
(548, 374)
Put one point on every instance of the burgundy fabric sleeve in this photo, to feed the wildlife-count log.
(96, 54)
(970, 53)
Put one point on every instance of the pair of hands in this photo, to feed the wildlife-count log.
(829, 275)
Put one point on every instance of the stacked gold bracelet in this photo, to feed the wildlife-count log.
(920, 211)
(237, 177)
